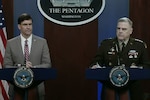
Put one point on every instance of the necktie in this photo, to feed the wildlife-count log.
(123, 46)
(26, 51)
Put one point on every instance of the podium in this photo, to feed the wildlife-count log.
(40, 74)
(102, 74)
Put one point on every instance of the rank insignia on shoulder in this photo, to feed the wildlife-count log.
(141, 42)
(145, 45)
(138, 40)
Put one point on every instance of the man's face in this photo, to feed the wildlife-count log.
(124, 30)
(25, 28)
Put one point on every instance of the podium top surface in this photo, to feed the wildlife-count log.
(103, 73)
(39, 73)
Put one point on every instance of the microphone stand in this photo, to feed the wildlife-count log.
(119, 63)
(26, 94)
(26, 90)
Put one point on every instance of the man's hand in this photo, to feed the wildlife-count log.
(95, 66)
(140, 67)
(28, 64)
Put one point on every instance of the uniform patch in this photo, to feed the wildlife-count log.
(133, 54)
(112, 51)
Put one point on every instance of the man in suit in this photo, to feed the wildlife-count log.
(38, 54)
(122, 51)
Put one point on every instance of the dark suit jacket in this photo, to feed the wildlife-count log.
(39, 56)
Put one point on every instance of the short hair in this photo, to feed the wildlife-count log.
(125, 19)
(23, 17)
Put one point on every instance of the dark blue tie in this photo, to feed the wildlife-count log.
(123, 46)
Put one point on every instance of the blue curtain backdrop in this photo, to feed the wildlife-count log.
(107, 21)
(30, 7)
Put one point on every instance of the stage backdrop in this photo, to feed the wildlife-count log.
(72, 48)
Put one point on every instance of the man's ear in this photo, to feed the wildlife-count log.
(19, 26)
(131, 31)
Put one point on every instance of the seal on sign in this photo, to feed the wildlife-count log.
(23, 77)
(71, 12)
(119, 76)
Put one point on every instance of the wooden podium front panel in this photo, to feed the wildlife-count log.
(72, 49)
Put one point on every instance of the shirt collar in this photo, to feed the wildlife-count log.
(23, 39)
(125, 42)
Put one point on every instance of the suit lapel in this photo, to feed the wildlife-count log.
(19, 47)
(33, 46)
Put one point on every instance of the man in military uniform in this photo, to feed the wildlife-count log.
(122, 51)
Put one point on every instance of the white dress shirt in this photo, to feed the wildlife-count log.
(23, 42)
